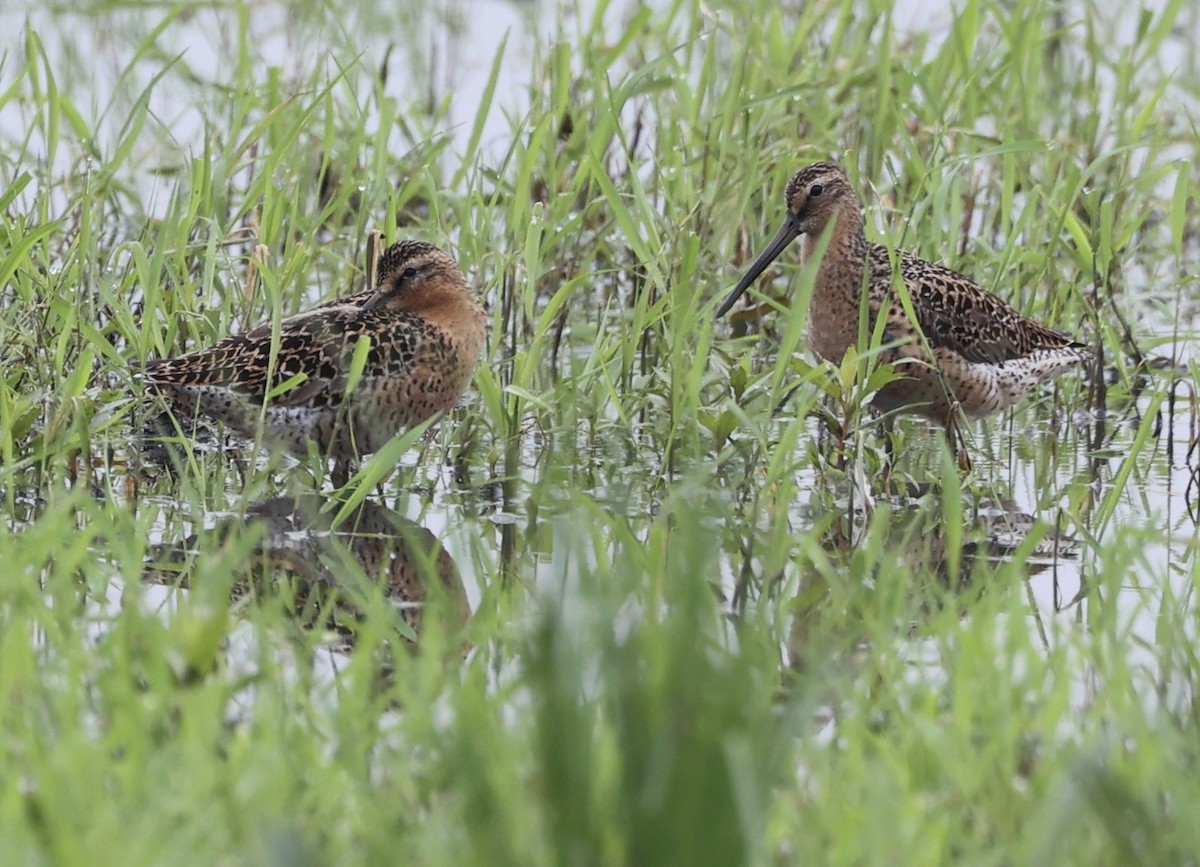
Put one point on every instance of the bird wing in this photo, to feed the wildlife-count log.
(958, 314)
(317, 345)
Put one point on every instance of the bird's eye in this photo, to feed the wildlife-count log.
(816, 190)
(408, 274)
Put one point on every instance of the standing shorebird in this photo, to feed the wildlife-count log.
(425, 327)
(967, 349)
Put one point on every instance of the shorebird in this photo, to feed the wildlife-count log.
(425, 327)
(967, 350)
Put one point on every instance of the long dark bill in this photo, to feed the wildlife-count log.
(787, 233)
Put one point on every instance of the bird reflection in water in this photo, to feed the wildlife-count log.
(332, 573)
(938, 571)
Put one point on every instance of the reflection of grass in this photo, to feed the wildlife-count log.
(669, 508)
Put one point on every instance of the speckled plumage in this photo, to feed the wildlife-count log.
(982, 355)
(426, 331)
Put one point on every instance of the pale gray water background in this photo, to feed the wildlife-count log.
(449, 48)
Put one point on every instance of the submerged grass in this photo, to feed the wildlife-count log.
(701, 632)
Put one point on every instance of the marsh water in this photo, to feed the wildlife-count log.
(501, 516)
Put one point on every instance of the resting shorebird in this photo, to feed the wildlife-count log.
(425, 327)
(967, 349)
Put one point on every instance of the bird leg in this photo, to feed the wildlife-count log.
(341, 473)
(958, 449)
(886, 429)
